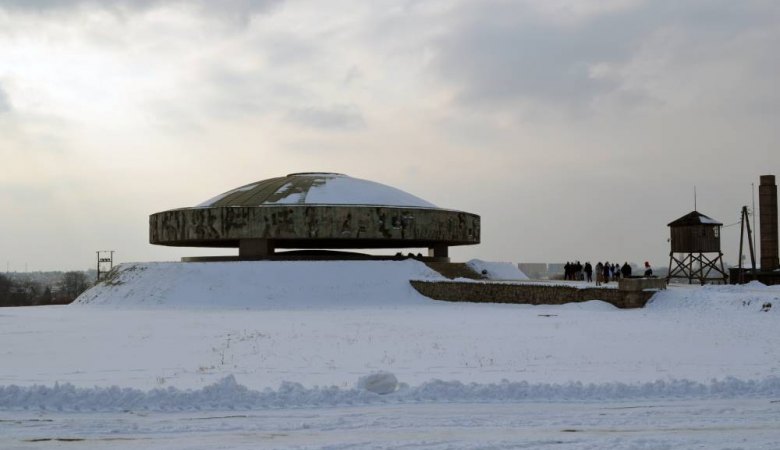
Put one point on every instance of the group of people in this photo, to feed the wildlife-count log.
(573, 271)
(605, 272)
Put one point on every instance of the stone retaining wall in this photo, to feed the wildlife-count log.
(530, 294)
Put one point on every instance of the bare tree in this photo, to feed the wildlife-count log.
(73, 284)
(5, 291)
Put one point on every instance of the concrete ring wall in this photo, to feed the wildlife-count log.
(314, 226)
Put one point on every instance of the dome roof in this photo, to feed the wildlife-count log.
(315, 188)
(315, 211)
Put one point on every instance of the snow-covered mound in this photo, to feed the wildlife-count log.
(260, 285)
(590, 305)
(379, 383)
(497, 270)
(715, 299)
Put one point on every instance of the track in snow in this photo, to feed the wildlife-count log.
(712, 424)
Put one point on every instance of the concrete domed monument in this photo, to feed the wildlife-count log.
(315, 211)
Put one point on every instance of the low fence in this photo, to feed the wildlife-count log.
(529, 294)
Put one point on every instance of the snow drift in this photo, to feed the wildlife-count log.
(497, 270)
(228, 394)
(720, 300)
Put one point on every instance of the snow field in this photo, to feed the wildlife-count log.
(685, 333)
(293, 355)
(590, 342)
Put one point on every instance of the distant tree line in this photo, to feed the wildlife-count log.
(58, 288)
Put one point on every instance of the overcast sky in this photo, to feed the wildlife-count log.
(575, 128)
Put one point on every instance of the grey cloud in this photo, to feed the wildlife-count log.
(221, 8)
(285, 49)
(342, 118)
(503, 52)
(5, 102)
(41, 6)
(229, 92)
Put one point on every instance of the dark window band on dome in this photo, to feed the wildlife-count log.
(315, 173)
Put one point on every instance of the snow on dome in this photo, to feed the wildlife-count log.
(316, 188)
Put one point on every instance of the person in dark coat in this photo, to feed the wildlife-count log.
(616, 272)
(588, 272)
(606, 271)
(648, 269)
(625, 270)
(599, 273)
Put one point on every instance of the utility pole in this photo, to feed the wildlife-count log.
(746, 226)
(105, 262)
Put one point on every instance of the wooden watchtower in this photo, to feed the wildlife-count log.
(696, 240)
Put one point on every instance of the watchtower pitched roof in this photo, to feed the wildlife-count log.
(694, 218)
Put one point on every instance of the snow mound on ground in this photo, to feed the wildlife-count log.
(590, 305)
(755, 284)
(715, 299)
(497, 270)
(379, 383)
(260, 285)
(228, 394)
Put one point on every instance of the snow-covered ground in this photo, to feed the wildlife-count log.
(651, 425)
(276, 362)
